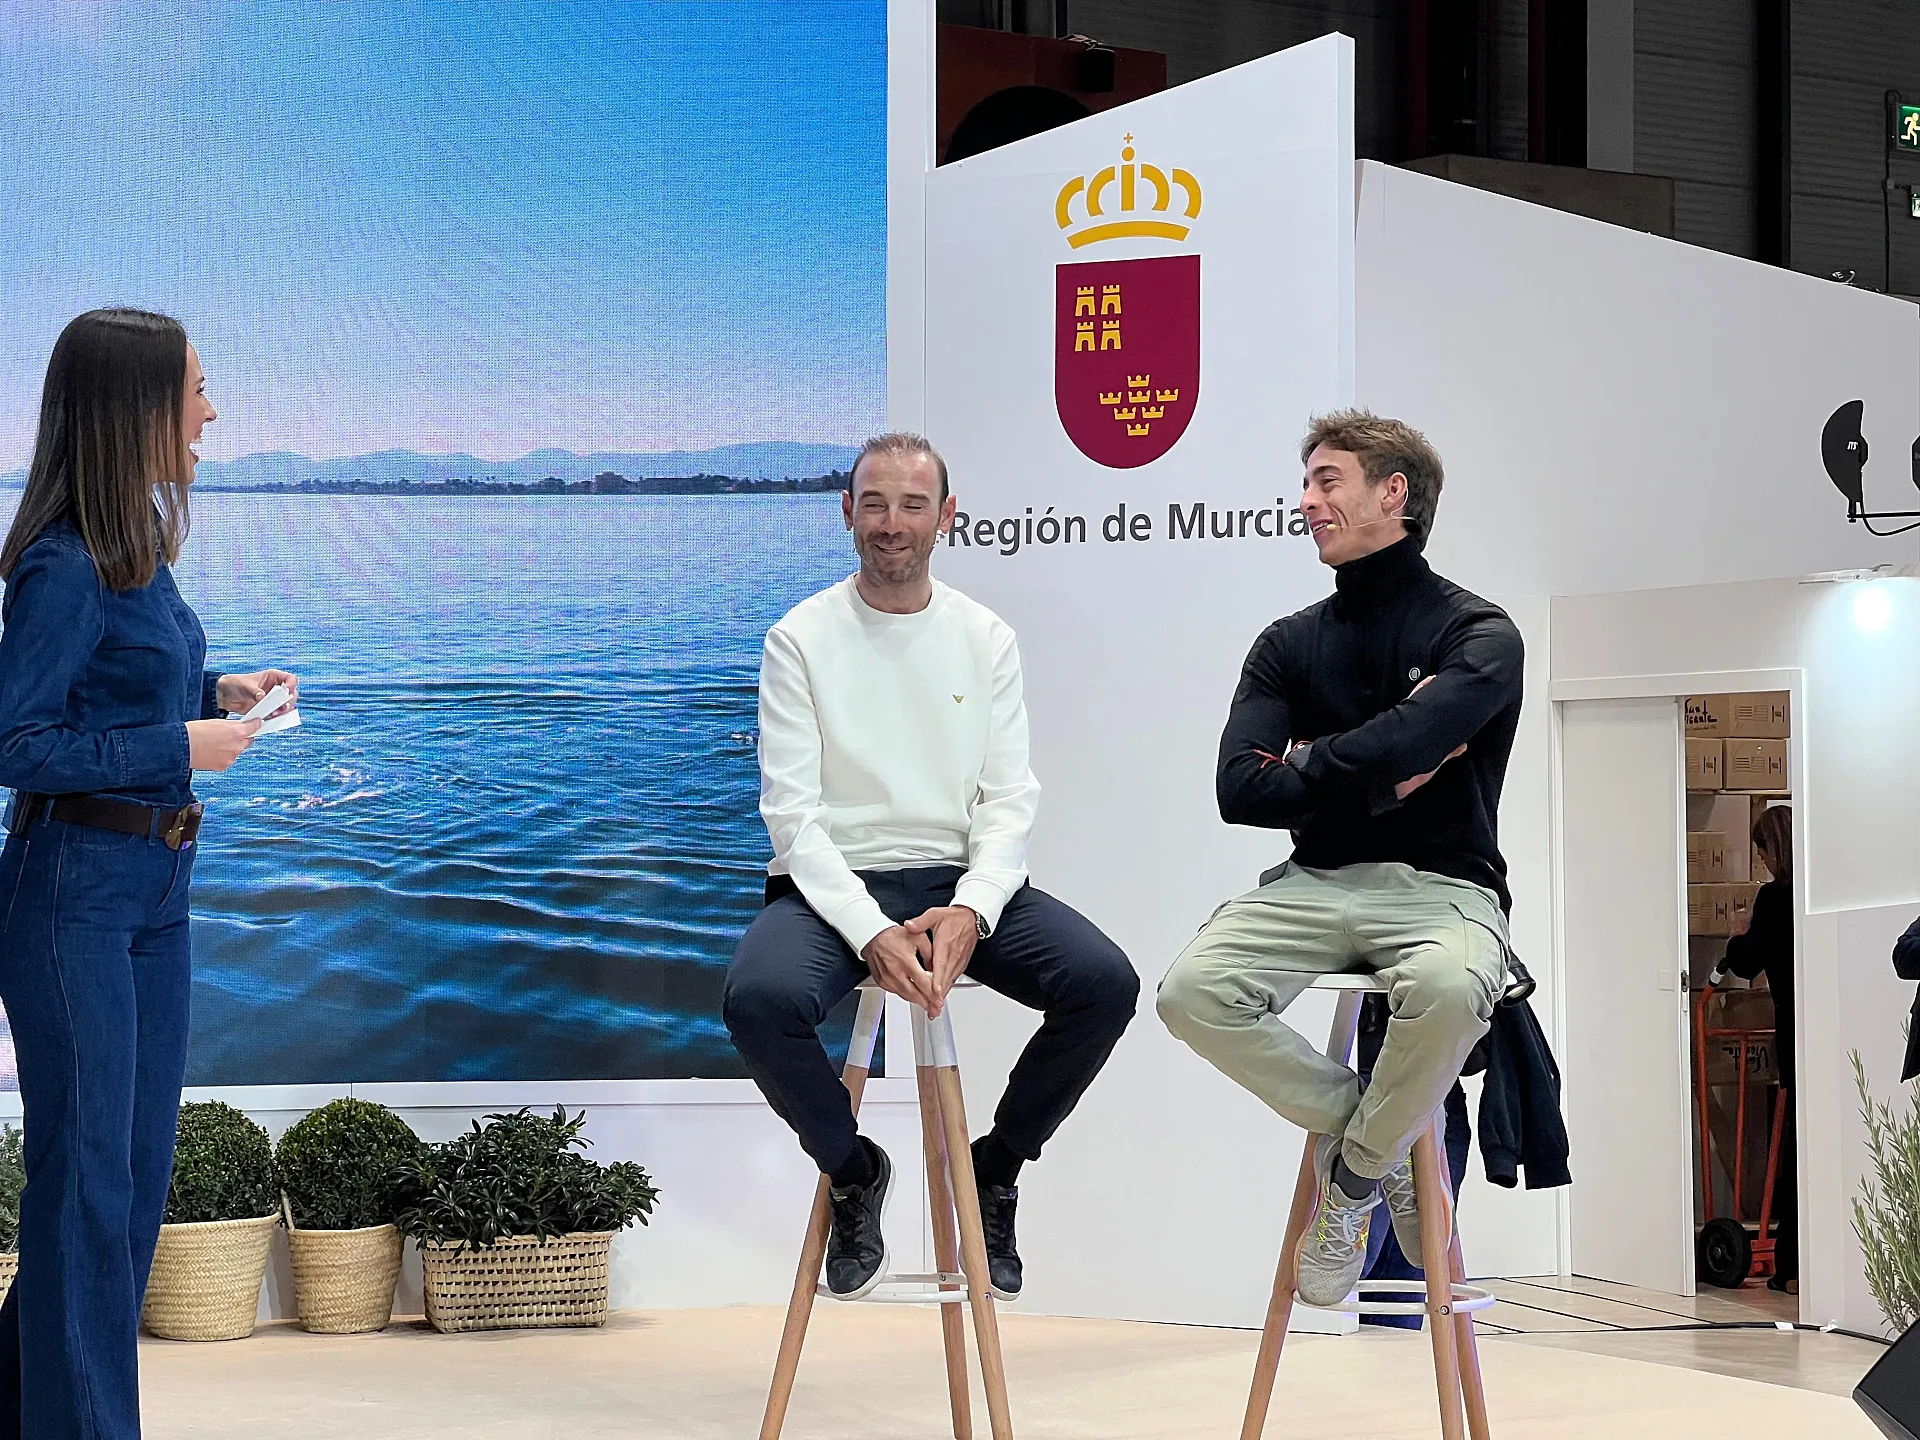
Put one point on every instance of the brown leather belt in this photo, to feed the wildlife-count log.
(176, 828)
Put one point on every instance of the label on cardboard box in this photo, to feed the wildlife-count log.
(1709, 909)
(1761, 715)
(1706, 858)
(1707, 715)
(1706, 764)
(1755, 765)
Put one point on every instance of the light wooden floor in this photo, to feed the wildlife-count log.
(874, 1373)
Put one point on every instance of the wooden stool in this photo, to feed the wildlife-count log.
(1450, 1301)
(950, 1189)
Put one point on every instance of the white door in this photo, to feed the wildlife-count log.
(1623, 858)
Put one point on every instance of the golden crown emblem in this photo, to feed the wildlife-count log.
(1103, 219)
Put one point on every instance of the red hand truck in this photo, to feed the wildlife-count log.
(1725, 1254)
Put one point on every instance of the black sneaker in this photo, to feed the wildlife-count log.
(1003, 1260)
(856, 1248)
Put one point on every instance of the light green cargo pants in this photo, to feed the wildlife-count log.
(1440, 944)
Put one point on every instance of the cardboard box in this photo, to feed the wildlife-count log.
(1741, 1010)
(1706, 764)
(1709, 909)
(1753, 765)
(1761, 715)
(1707, 858)
(1708, 716)
(1723, 1066)
(1740, 907)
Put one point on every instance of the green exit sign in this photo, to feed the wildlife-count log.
(1906, 132)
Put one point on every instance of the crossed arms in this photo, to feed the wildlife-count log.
(1478, 676)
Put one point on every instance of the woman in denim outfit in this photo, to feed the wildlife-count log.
(105, 710)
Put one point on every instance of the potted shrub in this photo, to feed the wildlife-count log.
(1886, 1212)
(514, 1224)
(338, 1171)
(222, 1208)
(13, 1179)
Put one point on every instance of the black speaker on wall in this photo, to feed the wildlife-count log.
(1890, 1392)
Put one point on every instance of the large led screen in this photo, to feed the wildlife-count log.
(541, 336)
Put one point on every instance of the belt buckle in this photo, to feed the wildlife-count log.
(185, 828)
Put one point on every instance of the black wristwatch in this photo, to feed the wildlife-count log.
(980, 926)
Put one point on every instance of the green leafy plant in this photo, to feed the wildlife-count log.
(222, 1167)
(519, 1174)
(13, 1179)
(1886, 1213)
(341, 1166)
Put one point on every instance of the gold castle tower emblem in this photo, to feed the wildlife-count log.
(1102, 215)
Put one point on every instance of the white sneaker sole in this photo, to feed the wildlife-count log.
(1323, 1180)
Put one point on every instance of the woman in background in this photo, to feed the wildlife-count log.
(1766, 948)
(105, 712)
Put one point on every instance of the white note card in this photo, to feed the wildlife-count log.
(269, 703)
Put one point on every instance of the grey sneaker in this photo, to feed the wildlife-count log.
(1333, 1252)
(1403, 1204)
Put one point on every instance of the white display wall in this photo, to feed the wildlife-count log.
(1164, 1197)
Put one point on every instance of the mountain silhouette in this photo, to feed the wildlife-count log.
(760, 460)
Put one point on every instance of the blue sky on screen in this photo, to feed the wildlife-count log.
(490, 229)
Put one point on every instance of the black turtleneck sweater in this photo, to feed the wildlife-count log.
(1340, 676)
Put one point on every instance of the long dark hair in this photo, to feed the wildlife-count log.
(110, 455)
(1773, 833)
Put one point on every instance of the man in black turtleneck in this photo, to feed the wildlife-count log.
(1375, 727)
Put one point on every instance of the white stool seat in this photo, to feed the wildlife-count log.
(1352, 982)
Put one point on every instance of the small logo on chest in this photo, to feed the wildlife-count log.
(958, 698)
(1414, 673)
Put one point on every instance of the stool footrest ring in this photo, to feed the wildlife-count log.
(890, 1290)
(1466, 1299)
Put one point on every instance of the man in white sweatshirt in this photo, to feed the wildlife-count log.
(895, 785)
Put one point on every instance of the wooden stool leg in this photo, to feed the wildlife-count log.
(933, 1041)
(1286, 1277)
(813, 1251)
(1436, 1237)
(1469, 1347)
(946, 1246)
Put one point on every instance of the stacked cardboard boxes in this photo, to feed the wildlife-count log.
(1738, 742)
(1736, 755)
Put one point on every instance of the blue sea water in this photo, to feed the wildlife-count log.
(516, 836)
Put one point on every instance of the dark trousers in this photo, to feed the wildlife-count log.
(1786, 1192)
(95, 973)
(792, 968)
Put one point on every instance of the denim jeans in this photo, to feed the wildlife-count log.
(95, 973)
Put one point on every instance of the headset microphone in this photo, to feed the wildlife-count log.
(1364, 524)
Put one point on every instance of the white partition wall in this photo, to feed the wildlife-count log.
(1166, 1194)
(1619, 412)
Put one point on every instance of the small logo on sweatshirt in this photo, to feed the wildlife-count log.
(1414, 673)
(958, 698)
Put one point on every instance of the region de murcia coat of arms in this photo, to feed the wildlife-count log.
(1126, 370)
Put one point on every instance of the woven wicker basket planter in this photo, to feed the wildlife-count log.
(9, 1263)
(343, 1280)
(517, 1283)
(206, 1279)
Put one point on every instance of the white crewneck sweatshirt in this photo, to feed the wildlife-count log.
(892, 741)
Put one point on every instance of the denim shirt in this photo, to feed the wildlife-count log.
(96, 685)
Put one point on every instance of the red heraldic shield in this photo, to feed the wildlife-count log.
(1126, 368)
